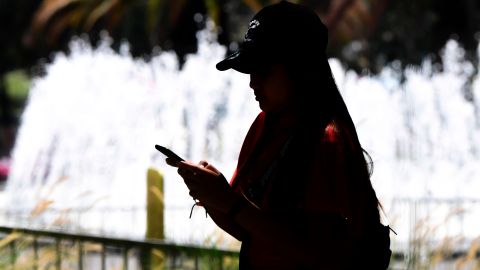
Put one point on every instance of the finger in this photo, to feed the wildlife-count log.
(172, 162)
(189, 176)
(194, 169)
(187, 165)
(212, 168)
(203, 163)
(191, 183)
(184, 168)
(184, 172)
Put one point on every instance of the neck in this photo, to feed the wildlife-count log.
(282, 121)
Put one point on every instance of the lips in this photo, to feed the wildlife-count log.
(258, 97)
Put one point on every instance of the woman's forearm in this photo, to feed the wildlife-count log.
(227, 224)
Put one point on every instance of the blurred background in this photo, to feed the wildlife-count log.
(87, 87)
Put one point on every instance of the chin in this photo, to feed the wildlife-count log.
(264, 108)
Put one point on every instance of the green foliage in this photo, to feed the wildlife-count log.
(17, 85)
(363, 33)
(410, 31)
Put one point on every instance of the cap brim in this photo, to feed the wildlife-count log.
(240, 61)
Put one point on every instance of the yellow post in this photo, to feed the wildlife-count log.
(155, 215)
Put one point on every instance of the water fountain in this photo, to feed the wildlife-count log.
(88, 131)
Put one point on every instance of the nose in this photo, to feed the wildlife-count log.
(254, 81)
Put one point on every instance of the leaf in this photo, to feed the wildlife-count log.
(47, 10)
(41, 207)
(98, 12)
(9, 238)
(158, 253)
(153, 13)
(213, 10)
(58, 26)
(254, 5)
(473, 251)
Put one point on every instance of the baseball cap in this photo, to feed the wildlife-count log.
(280, 33)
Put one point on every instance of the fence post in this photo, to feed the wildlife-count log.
(58, 252)
(13, 254)
(155, 216)
(104, 257)
(125, 257)
(80, 255)
(35, 252)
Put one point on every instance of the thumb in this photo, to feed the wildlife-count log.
(203, 163)
(212, 168)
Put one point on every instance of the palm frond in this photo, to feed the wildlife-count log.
(254, 5)
(153, 14)
(213, 10)
(98, 12)
(47, 10)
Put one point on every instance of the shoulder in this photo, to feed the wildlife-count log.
(253, 135)
(256, 128)
(259, 121)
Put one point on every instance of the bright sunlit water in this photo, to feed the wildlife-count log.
(88, 133)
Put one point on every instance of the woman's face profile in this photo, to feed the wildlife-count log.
(273, 89)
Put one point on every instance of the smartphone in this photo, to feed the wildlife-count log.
(169, 153)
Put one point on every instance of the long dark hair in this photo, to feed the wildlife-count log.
(319, 103)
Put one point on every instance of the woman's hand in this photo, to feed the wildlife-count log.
(207, 185)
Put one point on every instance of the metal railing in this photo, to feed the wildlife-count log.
(127, 253)
(434, 232)
(421, 224)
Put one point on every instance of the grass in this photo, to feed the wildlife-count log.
(427, 250)
(17, 250)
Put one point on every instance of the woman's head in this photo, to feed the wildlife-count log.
(283, 33)
(288, 40)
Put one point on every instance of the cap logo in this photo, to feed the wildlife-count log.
(253, 24)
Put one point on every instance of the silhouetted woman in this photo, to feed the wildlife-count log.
(301, 196)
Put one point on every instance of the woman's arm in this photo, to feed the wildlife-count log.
(227, 224)
(299, 243)
(227, 207)
(220, 218)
